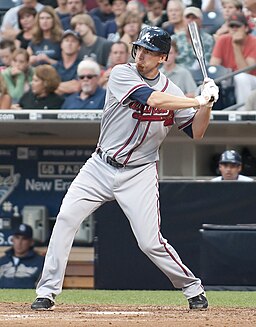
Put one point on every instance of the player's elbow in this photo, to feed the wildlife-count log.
(198, 134)
(154, 100)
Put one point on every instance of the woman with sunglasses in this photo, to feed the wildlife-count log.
(91, 96)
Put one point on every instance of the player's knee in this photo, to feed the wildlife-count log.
(66, 218)
(146, 247)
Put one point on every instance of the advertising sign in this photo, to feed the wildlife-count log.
(36, 176)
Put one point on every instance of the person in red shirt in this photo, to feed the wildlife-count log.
(237, 50)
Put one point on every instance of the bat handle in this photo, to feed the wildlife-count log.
(206, 76)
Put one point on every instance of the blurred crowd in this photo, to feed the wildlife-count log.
(59, 54)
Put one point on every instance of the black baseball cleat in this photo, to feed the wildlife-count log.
(198, 302)
(42, 303)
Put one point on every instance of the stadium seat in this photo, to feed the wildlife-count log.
(6, 5)
(212, 21)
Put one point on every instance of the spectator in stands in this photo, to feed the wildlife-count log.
(129, 29)
(230, 7)
(250, 6)
(186, 56)
(44, 47)
(67, 66)
(137, 7)
(92, 46)
(178, 74)
(211, 5)
(18, 75)
(42, 93)
(6, 50)
(156, 15)
(230, 166)
(103, 11)
(119, 54)
(52, 3)
(175, 12)
(26, 19)
(92, 96)
(237, 50)
(10, 24)
(62, 10)
(21, 266)
(250, 103)
(76, 7)
(112, 26)
(5, 99)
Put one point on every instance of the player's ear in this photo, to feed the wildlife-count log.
(162, 59)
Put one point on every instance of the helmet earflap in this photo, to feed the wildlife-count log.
(134, 51)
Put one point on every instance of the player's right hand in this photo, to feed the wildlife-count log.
(210, 90)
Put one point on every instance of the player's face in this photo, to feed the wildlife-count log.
(21, 245)
(147, 62)
(229, 171)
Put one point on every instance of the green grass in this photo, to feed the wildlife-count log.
(162, 298)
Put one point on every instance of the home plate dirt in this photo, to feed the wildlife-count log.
(17, 314)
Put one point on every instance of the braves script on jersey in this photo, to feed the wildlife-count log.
(138, 130)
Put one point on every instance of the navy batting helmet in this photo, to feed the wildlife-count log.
(230, 156)
(154, 39)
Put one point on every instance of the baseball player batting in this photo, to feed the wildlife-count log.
(140, 108)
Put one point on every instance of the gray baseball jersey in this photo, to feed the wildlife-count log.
(136, 141)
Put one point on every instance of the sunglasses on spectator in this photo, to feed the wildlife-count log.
(86, 76)
(234, 26)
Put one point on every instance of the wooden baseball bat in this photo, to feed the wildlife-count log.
(198, 48)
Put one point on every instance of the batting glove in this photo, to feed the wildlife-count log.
(202, 100)
(210, 90)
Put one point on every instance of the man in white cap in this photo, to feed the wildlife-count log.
(186, 55)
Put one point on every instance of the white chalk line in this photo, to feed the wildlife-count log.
(86, 313)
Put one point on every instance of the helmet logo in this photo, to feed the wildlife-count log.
(146, 37)
(230, 155)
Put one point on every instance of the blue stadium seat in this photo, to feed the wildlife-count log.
(6, 5)
(212, 21)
